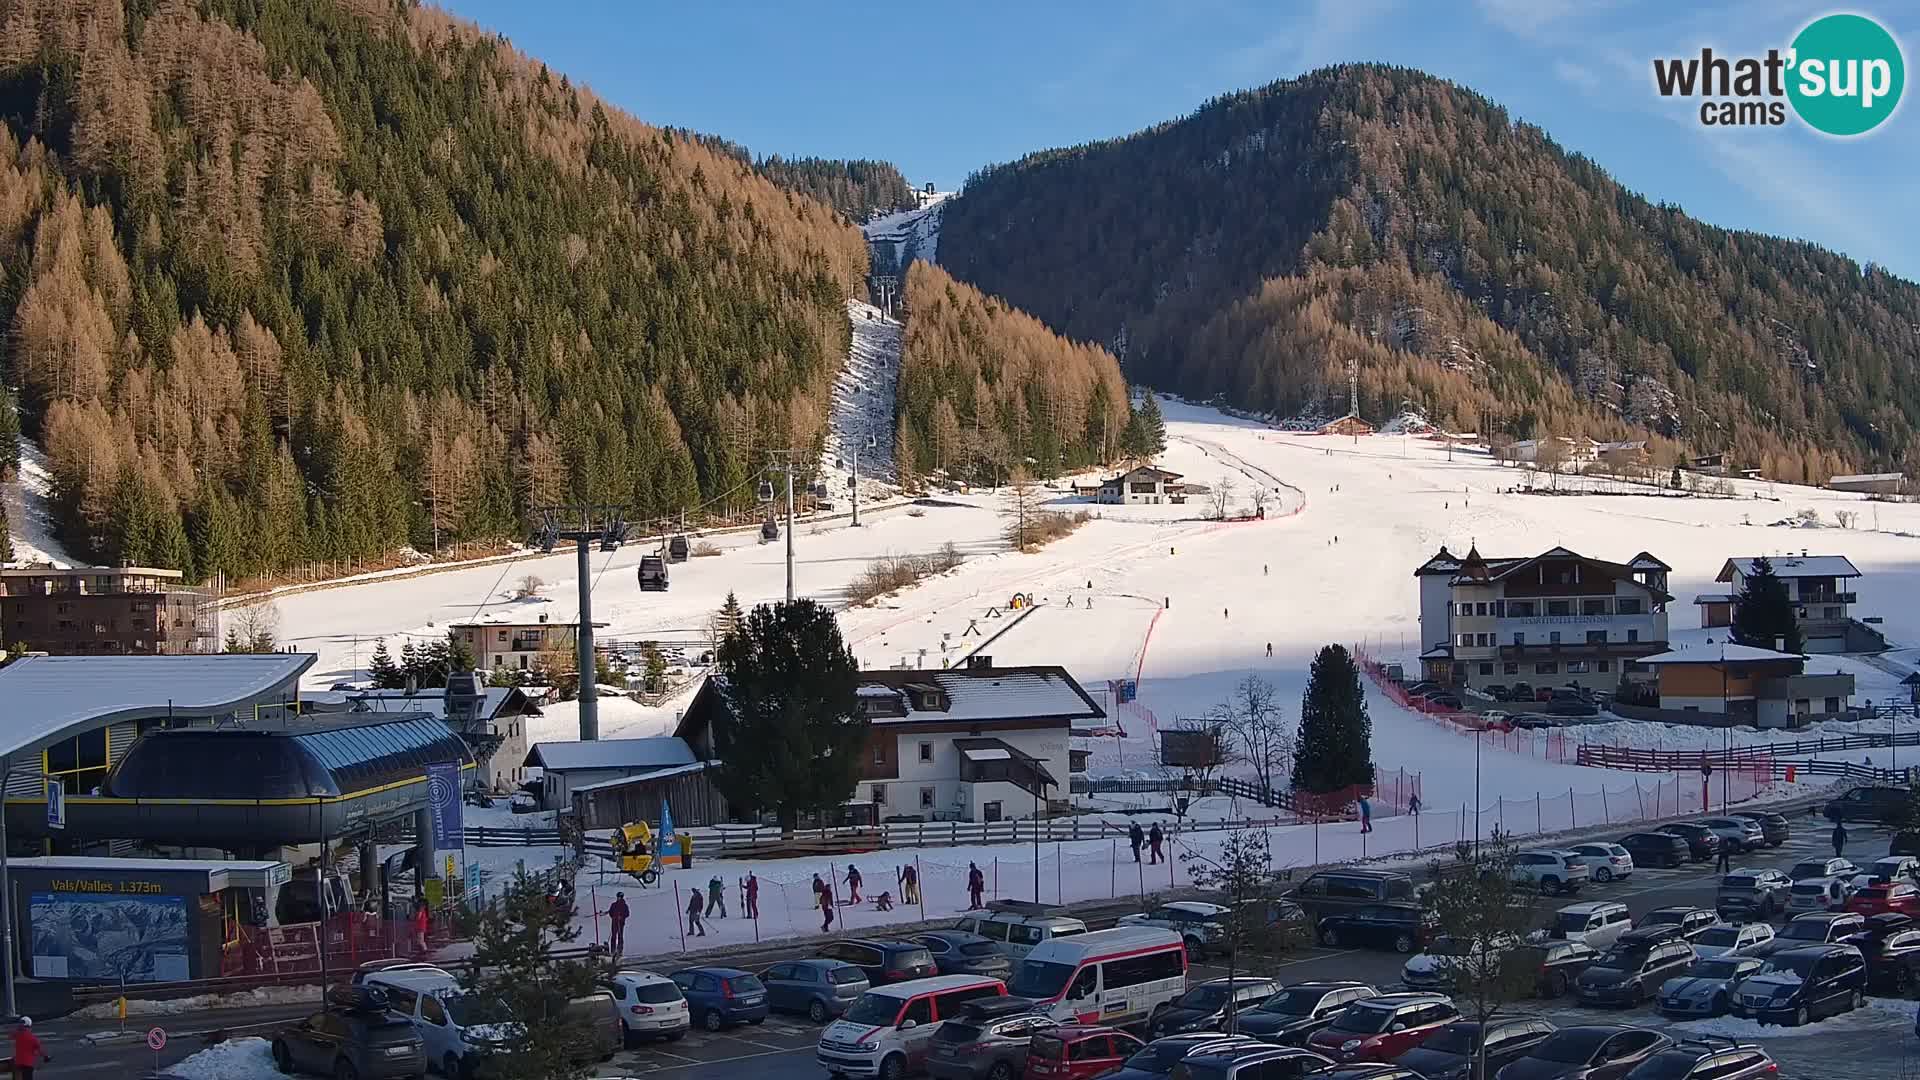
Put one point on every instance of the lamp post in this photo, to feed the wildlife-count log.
(1477, 732)
(1726, 734)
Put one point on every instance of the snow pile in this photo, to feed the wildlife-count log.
(241, 999)
(235, 1059)
(1878, 1013)
(29, 510)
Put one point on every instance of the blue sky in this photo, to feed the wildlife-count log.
(943, 89)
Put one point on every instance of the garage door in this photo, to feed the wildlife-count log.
(1827, 644)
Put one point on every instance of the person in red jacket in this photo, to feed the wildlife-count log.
(27, 1051)
(420, 920)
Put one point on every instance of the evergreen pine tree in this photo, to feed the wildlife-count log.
(1334, 749)
(1153, 427)
(1763, 615)
(459, 657)
(382, 671)
(9, 435)
(412, 665)
(1133, 437)
(6, 536)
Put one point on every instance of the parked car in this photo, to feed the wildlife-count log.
(721, 997)
(1383, 1028)
(651, 1006)
(1820, 894)
(1326, 892)
(458, 1026)
(889, 1031)
(1288, 1017)
(1200, 925)
(1520, 692)
(597, 1020)
(1714, 1059)
(882, 961)
(1448, 1054)
(1774, 827)
(1550, 870)
(1630, 972)
(1445, 699)
(1255, 1062)
(1815, 928)
(1205, 1007)
(1737, 834)
(1752, 894)
(1015, 927)
(1810, 869)
(1557, 964)
(1438, 968)
(821, 989)
(1497, 692)
(987, 1040)
(355, 1036)
(1869, 803)
(1589, 1052)
(1604, 861)
(1692, 921)
(1891, 945)
(1368, 1072)
(1906, 842)
(1732, 939)
(1402, 929)
(1597, 923)
(1890, 869)
(1656, 849)
(1077, 1052)
(1702, 843)
(1899, 897)
(1157, 1058)
(957, 952)
(1707, 988)
(1799, 985)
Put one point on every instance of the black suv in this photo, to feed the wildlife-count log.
(1813, 928)
(1448, 1053)
(1703, 843)
(1717, 1059)
(1591, 1052)
(1891, 946)
(1868, 804)
(1692, 921)
(883, 962)
(1557, 964)
(1630, 972)
(1329, 891)
(1205, 1007)
(1288, 1017)
(1774, 827)
(1402, 929)
(1656, 848)
(1799, 985)
(354, 1036)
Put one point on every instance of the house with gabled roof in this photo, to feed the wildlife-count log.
(1558, 618)
(1140, 484)
(1821, 589)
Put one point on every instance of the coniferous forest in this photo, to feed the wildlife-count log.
(986, 389)
(286, 282)
(1466, 264)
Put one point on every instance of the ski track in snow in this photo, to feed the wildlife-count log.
(29, 517)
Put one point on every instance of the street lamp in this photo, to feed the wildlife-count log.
(1478, 730)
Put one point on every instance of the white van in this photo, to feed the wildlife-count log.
(1114, 977)
(453, 1023)
(1015, 927)
(888, 1030)
(1595, 924)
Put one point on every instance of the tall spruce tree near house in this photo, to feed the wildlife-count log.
(1764, 617)
(1334, 749)
(791, 739)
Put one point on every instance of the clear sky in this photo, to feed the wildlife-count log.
(942, 89)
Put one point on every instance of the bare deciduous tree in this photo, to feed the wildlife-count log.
(1199, 749)
(1264, 741)
(1222, 497)
(1261, 497)
(529, 586)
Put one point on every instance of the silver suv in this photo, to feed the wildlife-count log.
(1748, 894)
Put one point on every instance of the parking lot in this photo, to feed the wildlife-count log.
(1875, 1043)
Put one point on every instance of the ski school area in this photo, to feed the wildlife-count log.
(1180, 607)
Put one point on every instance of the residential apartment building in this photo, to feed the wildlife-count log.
(105, 610)
(1554, 619)
(501, 641)
(1822, 592)
(1750, 686)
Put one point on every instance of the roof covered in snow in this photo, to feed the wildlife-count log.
(655, 753)
(1723, 653)
(49, 698)
(1792, 566)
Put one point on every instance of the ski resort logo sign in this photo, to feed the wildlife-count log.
(1842, 76)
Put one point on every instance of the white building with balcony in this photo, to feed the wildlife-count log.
(1554, 619)
(1821, 589)
(497, 640)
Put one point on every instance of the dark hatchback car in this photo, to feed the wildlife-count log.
(1557, 964)
(1157, 1058)
(1630, 974)
(1708, 1059)
(988, 1040)
(957, 952)
(1801, 985)
(1656, 848)
(1402, 929)
(822, 989)
(1290, 1016)
(1702, 843)
(883, 962)
(1204, 1008)
(1250, 1062)
(1691, 921)
(1448, 1054)
(1774, 828)
(1597, 1052)
(355, 1036)
(1891, 946)
(1874, 804)
(1813, 928)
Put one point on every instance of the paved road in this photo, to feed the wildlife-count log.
(1872, 1045)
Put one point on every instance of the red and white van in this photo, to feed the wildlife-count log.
(887, 1032)
(1112, 977)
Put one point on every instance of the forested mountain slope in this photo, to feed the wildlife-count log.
(295, 281)
(1469, 265)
